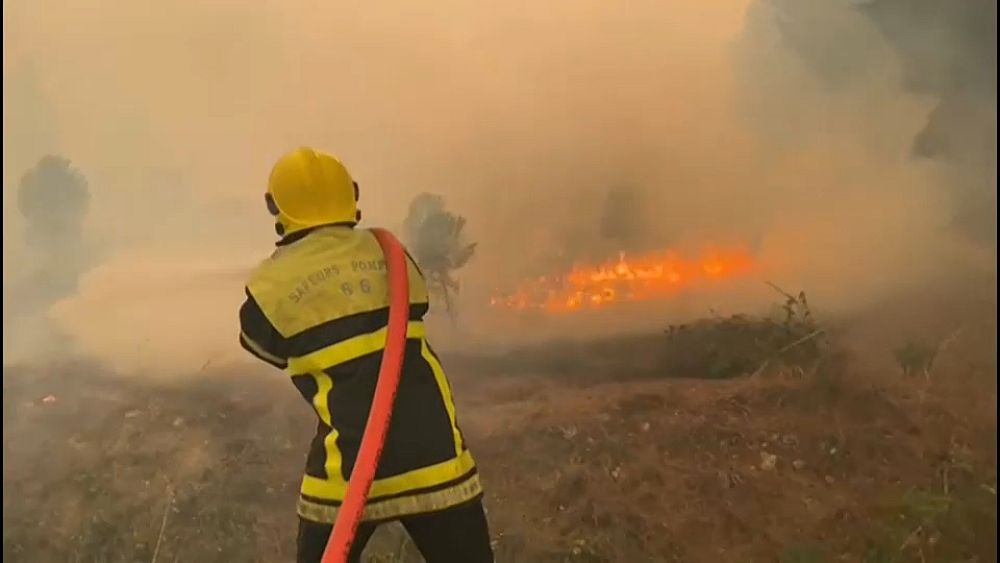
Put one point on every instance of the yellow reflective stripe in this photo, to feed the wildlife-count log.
(389, 509)
(333, 458)
(445, 389)
(257, 349)
(320, 400)
(335, 487)
(324, 383)
(349, 349)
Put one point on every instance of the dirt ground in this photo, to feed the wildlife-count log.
(587, 454)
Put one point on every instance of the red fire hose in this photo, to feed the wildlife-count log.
(377, 426)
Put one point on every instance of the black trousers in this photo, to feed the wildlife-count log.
(456, 535)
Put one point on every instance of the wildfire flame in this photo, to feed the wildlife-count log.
(647, 277)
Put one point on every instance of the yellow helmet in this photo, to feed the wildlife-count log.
(308, 188)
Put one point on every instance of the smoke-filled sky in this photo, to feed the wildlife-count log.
(523, 114)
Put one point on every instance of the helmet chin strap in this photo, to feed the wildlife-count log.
(357, 198)
(272, 208)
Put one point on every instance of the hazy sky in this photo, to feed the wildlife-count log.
(522, 113)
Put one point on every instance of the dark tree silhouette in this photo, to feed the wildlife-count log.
(621, 216)
(54, 199)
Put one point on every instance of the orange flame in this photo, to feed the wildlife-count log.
(641, 278)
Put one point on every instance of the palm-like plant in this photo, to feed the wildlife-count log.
(437, 243)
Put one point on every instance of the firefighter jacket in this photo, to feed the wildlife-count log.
(318, 307)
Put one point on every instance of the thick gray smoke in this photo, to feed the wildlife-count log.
(944, 50)
(959, 68)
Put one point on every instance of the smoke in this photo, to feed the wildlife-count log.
(523, 115)
(943, 52)
(840, 103)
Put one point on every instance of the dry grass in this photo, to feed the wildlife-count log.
(583, 461)
(684, 472)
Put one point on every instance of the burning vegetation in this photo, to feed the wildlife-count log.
(644, 277)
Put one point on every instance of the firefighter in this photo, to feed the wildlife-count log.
(318, 308)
